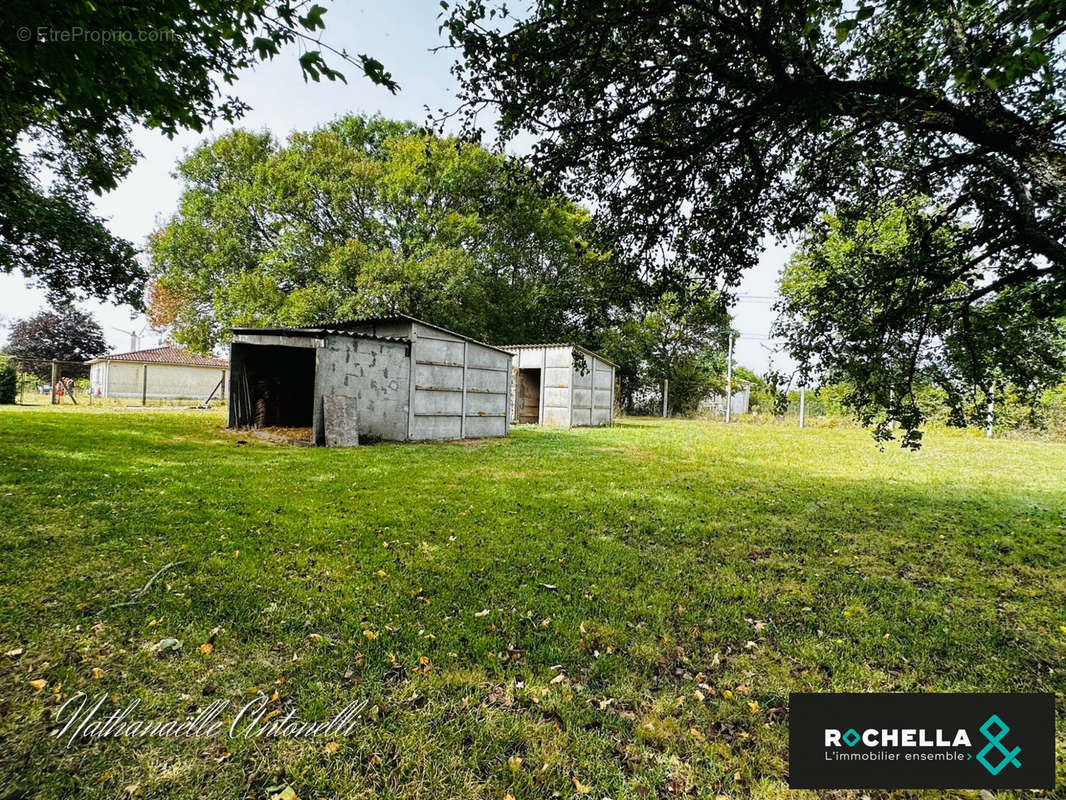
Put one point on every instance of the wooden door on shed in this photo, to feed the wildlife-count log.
(528, 396)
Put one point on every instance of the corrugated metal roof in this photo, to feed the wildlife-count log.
(344, 327)
(532, 346)
(408, 318)
(320, 331)
(582, 348)
(165, 355)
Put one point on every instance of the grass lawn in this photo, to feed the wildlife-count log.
(592, 613)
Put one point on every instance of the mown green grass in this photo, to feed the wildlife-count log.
(649, 564)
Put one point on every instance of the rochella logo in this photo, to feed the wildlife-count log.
(1009, 756)
(922, 737)
(896, 737)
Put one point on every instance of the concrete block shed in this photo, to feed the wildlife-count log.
(561, 385)
(409, 380)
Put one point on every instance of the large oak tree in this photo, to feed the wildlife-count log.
(700, 127)
(368, 216)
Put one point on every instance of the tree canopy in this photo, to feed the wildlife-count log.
(700, 128)
(64, 334)
(76, 77)
(860, 306)
(367, 216)
(674, 337)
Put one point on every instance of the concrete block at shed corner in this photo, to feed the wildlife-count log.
(341, 418)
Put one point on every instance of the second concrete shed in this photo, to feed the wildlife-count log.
(561, 385)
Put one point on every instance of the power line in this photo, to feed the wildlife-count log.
(758, 298)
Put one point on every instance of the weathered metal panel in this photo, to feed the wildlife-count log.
(582, 378)
(593, 393)
(556, 397)
(429, 401)
(557, 377)
(483, 357)
(483, 427)
(530, 359)
(561, 357)
(456, 382)
(580, 417)
(556, 417)
(486, 380)
(436, 427)
(424, 331)
(486, 391)
(482, 403)
(601, 416)
(437, 351)
(435, 376)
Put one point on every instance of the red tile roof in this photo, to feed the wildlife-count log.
(166, 355)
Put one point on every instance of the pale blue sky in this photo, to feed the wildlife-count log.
(400, 34)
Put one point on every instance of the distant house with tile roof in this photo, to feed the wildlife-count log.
(160, 373)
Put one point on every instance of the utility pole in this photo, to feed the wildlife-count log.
(729, 379)
(666, 394)
(144, 387)
(803, 390)
(55, 380)
(990, 416)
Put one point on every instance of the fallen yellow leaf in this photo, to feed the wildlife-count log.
(97, 673)
(38, 684)
(331, 747)
(581, 788)
(206, 648)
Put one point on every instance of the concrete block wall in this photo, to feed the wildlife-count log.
(373, 372)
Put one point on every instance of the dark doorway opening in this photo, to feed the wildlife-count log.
(527, 398)
(274, 386)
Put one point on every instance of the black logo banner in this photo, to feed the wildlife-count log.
(922, 741)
